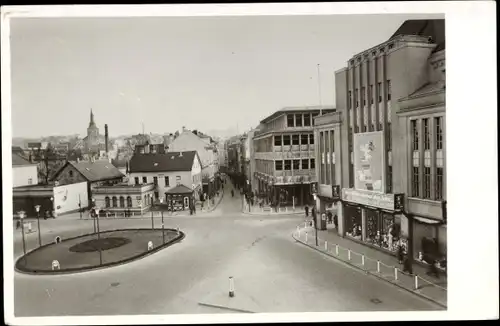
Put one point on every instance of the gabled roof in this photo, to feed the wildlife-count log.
(168, 162)
(180, 189)
(19, 161)
(94, 171)
(424, 27)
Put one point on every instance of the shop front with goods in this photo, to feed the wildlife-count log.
(429, 241)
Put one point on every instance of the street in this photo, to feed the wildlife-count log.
(272, 273)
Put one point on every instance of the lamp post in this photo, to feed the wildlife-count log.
(152, 218)
(98, 235)
(93, 205)
(22, 214)
(140, 207)
(37, 207)
(315, 220)
(52, 205)
(80, 206)
(162, 224)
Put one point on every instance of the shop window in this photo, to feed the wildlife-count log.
(438, 122)
(296, 164)
(167, 182)
(295, 140)
(286, 140)
(115, 202)
(288, 165)
(415, 182)
(298, 120)
(129, 201)
(427, 183)
(305, 164)
(136, 181)
(353, 222)
(414, 135)
(277, 140)
(106, 201)
(307, 120)
(278, 165)
(304, 139)
(290, 120)
(144, 179)
(439, 184)
(427, 137)
(122, 202)
(311, 139)
(313, 165)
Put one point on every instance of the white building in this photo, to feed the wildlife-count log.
(24, 173)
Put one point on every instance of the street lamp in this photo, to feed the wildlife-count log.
(93, 205)
(98, 235)
(315, 222)
(162, 225)
(80, 205)
(152, 219)
(22, 215)
(52, 204)
(37, 207)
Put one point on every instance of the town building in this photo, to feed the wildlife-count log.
(284, 155)
(381, 157)
(94, 143)
(124, 198)
(167, 172)
(24, 173)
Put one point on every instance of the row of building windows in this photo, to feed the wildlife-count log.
(115, 202)
(286, 140)
(390, 46)
(438, 133)
(155, 180)
(300, 119)
(288, 165)
(371, 96)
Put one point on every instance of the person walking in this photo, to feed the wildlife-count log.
(330, 217)
(336, 221)
(400, 254)
(232, 192)
(433, 270)
(407, 268)
(306, 208)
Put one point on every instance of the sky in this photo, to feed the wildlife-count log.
(205, 73)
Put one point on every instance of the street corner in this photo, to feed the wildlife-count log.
(239, 303)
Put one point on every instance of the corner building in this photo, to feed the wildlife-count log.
(384, 149)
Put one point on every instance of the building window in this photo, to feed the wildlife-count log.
(277, 140)
(311, 139)
(115, 202)
(388, 90)
(380, 126)
(349, 100)
(363, 96)
(30, 181)
(427, 136)
(295, 140)
(304, 139)
(144, 179)
(439, 184)
(415, 182)
(122, 202)
(414, 135)
(389, 137)
(356, 129)
(71, 174)
(167, 182)
(439, 132)
(389, 179)
(286, 140)
(349, 136)
(356, 97)
(298, 120)
(290, 120)
(307, 120)
(157, 195)
(288, 165)
(155, 181)
(364, 128)
(136, 181)
(313, 164)
(129, 201)
(278, 165)
(106, 201)
(314, 115)
(427, 183)
(296, 164)
(178, 180)
(379, 92)
(370, 95)
(305, 164)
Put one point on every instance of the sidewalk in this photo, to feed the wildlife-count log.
(266, 210)
(375, 262)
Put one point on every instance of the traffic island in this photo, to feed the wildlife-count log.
(92, 251)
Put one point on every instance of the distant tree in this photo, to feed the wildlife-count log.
(176, 134)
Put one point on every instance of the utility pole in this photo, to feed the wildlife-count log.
(319, 93)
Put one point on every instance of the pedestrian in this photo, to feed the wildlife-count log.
(330, 217)
(407, 268)
(306, 208)
(336, 221)
(433, 270)
(400, 254)
(18, 224)
(232, 192)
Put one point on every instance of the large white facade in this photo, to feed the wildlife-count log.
(24, 175)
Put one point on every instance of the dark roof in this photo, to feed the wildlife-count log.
(170, 161)
(19, 161)
(17, 149)
(94, 171)
(180, 189)
(119, 163)
(424, 27)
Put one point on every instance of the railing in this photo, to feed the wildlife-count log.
(415, 283)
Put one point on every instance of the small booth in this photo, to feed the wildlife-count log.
(179, 198)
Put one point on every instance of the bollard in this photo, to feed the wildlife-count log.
(349, 254)
(115, 215)
(378, 266)
(363, 260)
(29, 227)
(337, 249)
(326, 245)
(231, 287)
(395, 273)
(150, 245)
(306, 237)
(177, 230)
(416, 282)
(57, 239)
(55, 264)
(298, 229)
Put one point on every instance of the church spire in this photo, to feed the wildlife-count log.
(91, 116)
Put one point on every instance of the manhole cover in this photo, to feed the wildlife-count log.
(115, 284)
(375, 301)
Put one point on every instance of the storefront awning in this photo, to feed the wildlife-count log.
(426, 220)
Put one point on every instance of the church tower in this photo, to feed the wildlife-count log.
(92, 132)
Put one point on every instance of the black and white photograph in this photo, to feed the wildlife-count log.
(181, 161)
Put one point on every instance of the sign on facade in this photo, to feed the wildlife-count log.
(369, 198)
(369, 161)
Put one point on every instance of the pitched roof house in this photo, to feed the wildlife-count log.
(90, 171)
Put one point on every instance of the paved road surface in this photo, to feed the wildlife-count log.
(272, 273)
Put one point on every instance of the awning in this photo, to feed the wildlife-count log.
(427, 220)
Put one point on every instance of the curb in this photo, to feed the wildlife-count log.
(271, 214)
(373, 274)
(226, 308)
(179, 238)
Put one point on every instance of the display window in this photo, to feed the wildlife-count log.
(353, 222)
(429, 243)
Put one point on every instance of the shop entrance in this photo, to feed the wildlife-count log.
(353, 221)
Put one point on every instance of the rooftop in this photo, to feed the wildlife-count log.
(180, 189)
(424, 27)
(170, 161)
(19, 161)
(298, 109)
(95, 171)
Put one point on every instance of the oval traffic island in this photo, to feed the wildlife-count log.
(90, 251)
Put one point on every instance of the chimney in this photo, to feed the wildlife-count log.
(106, 138)
(180, 154)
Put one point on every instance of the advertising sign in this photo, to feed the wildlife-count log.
(369, 198)
(68, 197)
(369, 161)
